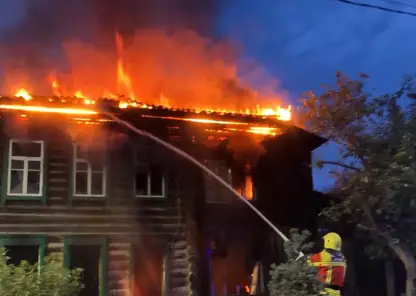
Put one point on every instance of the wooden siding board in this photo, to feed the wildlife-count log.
(122, 218)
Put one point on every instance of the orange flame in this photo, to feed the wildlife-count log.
(22, 93)
(123, 79)
(80, 95)
(248, 187)
(125, 90)
(72, 111)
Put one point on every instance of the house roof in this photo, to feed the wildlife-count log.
(133, 111)
(138, 109)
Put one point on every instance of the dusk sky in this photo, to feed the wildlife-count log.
(303, 43)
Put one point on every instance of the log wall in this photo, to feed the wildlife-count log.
(120, 217)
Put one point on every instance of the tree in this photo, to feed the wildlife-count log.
(49, 279)
(376, 172)
(295, 277)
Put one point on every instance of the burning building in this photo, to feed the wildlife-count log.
(138, 218)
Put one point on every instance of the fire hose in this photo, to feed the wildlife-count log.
(204, 168)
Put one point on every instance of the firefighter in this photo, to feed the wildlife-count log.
(331, 265)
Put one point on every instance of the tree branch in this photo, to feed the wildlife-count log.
(366, 228)
(345, 166)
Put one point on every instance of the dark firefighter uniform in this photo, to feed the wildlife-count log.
(331, 265)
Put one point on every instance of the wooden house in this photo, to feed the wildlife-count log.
(139, 219)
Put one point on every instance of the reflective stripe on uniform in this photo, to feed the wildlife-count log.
(330, 292)
(331, 267)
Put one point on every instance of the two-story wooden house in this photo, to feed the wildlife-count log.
(139, 219)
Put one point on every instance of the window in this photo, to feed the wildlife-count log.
(149, 181)
(25, 168)
(30, 249)
(216, 192)
(90, 254)
(89, 173)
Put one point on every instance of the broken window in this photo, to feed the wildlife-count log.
(89, 173)
(25, 168)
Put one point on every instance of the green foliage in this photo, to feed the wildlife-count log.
(295, 277)
(26, 280)
(376, 172)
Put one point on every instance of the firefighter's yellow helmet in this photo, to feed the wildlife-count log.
(332, 241)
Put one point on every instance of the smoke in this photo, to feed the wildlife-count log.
(171, 53)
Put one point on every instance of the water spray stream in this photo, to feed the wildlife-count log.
(202, 167)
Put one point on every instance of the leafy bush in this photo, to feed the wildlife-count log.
(295, 277)
(50, 279)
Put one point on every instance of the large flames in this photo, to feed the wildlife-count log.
(279, 112)
(130, 97)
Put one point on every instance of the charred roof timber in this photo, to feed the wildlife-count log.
(132, 111)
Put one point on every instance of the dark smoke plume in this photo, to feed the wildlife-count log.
(35, 43)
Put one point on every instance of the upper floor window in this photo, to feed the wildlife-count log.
(149, 179)
(89, 173)
(25, 168)
(246, 189)
(216, 192)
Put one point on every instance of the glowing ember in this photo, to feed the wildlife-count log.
(22, 93)
(260, 130)
(80, 95)
(49, 109)
(202, 120)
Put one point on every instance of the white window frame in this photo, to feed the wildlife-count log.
(89, 175)
(26, 160)
(147, 168)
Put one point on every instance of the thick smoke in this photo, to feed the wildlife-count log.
(171, 52)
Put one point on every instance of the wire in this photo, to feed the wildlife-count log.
(398, 3)
(386, 9)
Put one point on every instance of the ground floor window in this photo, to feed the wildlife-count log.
(19, 248)
(90, 254)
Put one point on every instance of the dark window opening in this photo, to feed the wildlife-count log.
(26, 149)
(87, 257)
(17, 254)
(215, 192)
(150, 181)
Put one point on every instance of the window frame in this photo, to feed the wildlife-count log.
(24, 240)
(147, 167)
(7, 161)
(89, 172)
(208, 178)
(103, 261)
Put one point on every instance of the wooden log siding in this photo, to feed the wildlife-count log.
(119, 213)
(120, 217)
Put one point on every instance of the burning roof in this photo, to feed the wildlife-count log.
(258, 121)
(199, 76)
